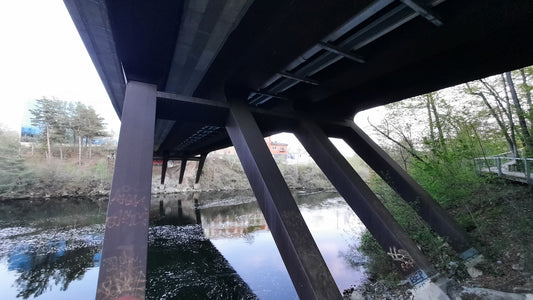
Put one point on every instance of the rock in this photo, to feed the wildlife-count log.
(429, 291)
(518, 267)
(471, 266)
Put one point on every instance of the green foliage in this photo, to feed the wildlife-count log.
(433, 246)
(62, 122)
(14, 174)
(379, 266)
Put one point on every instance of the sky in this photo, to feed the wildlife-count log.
(42, 55)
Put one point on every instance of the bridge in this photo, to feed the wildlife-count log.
(189, 77)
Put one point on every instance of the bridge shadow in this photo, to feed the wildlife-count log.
(182, 262)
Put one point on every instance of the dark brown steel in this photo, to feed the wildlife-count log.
(434, 215)
(164, 170)
(363, 201)
(306, 267)
(123, 266)
(182, 169)
(201, 162)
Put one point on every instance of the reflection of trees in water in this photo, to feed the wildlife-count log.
(45, 213)
(61, 268)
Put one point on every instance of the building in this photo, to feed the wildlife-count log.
(278, 150)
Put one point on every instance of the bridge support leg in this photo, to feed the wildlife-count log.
(164, 170)
(201, 162)
(301, 256)
(363, 201)
(123, 266)
(183, 165)
(398, 179)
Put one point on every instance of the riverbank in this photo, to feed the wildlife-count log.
(65, 178)
(498, 219)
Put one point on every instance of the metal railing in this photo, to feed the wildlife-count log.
(512, 168)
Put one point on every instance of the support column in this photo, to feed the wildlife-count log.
(301, 256)
(164, 170)
(123, 267)
(201, 162)
(183, 165)
(398, 179)
(364, 202)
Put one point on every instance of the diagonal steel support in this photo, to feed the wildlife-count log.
(201, 163)
(430, 211)
(123, 267)
(183, 165)
(363, 201)
(306, 267)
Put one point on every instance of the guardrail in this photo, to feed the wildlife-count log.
(512, 168)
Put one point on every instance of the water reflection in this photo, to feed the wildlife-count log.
(235, 225)
(202, 246)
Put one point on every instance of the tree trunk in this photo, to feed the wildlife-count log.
(497, 117)
(509, 114)
(79, 149)
(431, 129)
(527, 90)
(48, 142)
(528, 142)
(90, 148)
(438, 124)
(60, 152)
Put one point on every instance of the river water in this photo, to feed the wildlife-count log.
(201, 246)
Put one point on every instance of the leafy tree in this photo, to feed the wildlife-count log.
(46, 116)
(62, 122)
(13, 172)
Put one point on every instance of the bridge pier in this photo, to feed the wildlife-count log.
(306, 267)
(123, 267)
(377, 219)
(398, 179)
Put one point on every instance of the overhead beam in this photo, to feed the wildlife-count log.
(424, 11)
(342, 52)
(268, 94)
(299, 78)
(306, 267)
(122, 272)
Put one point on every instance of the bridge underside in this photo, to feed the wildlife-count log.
(189, 77)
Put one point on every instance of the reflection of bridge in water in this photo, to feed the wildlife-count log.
(182, 261)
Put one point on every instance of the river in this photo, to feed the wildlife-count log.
(201, 245)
